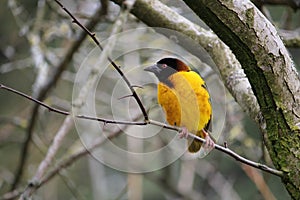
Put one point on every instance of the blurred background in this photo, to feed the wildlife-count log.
(37, 35)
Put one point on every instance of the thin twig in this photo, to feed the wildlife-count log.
(224, 149)
(80, 153)
(12, 194)
(45, 163)
(126, 96)
(63, 112)
(44, 91)
(117, 68)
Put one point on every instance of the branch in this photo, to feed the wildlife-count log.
(122, 18)
(77, 155)
(223, 149)
(43, 93)
(63, 112)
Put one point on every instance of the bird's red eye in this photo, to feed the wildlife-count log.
(164, 66)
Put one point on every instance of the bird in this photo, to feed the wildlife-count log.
(185, 100)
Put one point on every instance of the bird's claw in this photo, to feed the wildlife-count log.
(209, 143)
(184, 133)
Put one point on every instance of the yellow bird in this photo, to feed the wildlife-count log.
(183, 95)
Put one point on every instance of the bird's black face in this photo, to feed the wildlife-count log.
(163, 69)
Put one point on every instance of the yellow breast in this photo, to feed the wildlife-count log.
(187, 102)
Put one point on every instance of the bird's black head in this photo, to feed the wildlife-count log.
(166, 67)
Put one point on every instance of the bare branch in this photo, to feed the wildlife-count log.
(63, 112)
(43, 93)
(116, 67)
(224, 149)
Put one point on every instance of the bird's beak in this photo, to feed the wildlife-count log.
(153, 68)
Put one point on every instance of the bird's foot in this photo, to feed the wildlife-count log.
(184, 133)
(209, 143)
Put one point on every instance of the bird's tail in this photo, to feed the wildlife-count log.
(195, 145)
